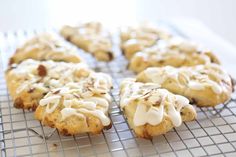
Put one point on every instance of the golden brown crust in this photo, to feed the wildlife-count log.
(70, 126)
(148, 131)
(26, 99)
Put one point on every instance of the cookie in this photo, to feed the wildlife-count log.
(204, 85)
(77, 107)
(175, 52)
(134, 39)
(152, 110)
(92, 37)
(30, 80)
(45, 47)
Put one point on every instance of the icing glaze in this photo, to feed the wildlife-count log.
(58, 73)
(197, 77)
(73, 87)
(97, 113)
(67, 112)
(46, 46)
(73, 101)
(153, 104)
(174, 52)
(196, 85)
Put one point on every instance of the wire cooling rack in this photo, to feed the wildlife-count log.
(213, 133)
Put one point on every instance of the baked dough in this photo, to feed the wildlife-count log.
(45, 47)
(134, 39)
(77, 107)
(175, 52)
(92, 38)
(204, 85)
(30, 80)
(151, 110)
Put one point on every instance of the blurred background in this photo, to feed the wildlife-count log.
(218, 15)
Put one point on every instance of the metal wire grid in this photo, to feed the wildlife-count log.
(213, 133)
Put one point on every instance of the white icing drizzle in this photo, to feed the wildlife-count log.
(58, 74)
(174, 116)
(140, 116)
(67, 112)
(198, 77)
(97, 113)
(100, 79)
(216, 88)
(152, 103)
(51, 99)
(161, 75)
(174, 113)
(99, 101)
(153, 116)
(128, 90)
(131, 42)
(46, 46)
(50, 109)
(196, 85)
(74, 102)
(174, 51)
(72, 85)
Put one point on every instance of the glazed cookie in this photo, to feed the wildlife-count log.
(204, 85)
(45, 47)
(134, 39)
(151, 110)
(92, 38)
(175, 52)
(30, 80)
(77, 107)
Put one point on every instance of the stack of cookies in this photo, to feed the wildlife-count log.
(48, 77)
(173, 74)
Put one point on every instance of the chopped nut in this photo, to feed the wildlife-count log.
(76, 95)
(31, 90)
(158, 103)
(11, 61)
(110, 56)
(42, 71)
(108, 126)
(57, 91)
